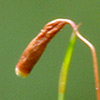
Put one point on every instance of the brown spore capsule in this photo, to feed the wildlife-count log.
(36, 47)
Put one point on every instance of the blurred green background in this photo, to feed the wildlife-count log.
(21, 21)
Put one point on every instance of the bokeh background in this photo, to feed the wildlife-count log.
(21, 21)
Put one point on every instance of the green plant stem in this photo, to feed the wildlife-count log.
(65, 67)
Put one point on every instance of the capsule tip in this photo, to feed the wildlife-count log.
(20, 73)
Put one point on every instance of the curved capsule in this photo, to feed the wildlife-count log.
(36, 47)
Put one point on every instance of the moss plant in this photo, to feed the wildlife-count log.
(36, 47)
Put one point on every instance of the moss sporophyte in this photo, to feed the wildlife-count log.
(36, 47)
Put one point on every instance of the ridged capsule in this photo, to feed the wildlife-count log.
(34, 50)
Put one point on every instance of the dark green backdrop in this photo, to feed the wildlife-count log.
(21, 21)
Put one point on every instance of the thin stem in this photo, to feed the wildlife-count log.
(96, 74)
(65, 67)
